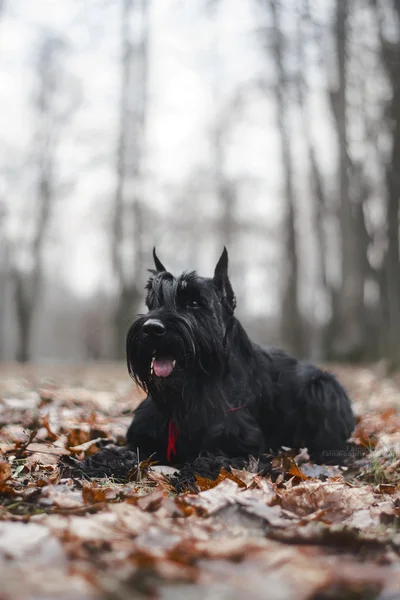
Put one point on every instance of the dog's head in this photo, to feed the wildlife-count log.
(184, 332)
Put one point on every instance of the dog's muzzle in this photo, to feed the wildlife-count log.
(161, 365)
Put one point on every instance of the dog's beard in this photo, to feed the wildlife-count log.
(163, 365)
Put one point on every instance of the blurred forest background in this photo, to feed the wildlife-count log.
(271, 126)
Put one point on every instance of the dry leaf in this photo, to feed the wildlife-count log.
(5, 471)
(45, 421)
(99, 538)
(43, 454)
(206, 484)
(297, 472)
(93, 493)
(90, 445)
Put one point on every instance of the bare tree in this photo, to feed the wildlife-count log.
(224, 186)
(4, 255)
(4, 269)
(227, 227)
(346, 338)
(319, 195)
(292, 324)
(390, 57)
(50, 116)
(128, 228)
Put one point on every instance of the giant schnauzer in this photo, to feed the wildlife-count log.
(212, 391)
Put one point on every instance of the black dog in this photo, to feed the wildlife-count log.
(211, 391)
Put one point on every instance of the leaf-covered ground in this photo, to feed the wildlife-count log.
(303, 532)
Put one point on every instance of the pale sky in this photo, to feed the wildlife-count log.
(189, 52)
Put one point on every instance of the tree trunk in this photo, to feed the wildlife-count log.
(128, 218)
(390, 52)
(27, 286)
(24, 310)
(318, 192)
(347, 322)
(292, 323)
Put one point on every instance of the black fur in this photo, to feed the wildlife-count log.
(226, 396)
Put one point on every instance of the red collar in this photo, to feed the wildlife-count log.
(237, 408)
(173, 434)
(172, 439)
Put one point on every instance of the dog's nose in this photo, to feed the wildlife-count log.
(153, 327)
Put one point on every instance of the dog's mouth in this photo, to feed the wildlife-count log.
(162, 366)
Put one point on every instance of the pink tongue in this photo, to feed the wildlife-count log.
(163, 366)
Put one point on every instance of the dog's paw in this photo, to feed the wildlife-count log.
(110, 461)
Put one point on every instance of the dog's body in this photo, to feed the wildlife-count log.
(211, 390)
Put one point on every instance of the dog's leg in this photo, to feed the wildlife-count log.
(207, 465)
(148, 432)
(111, 461)
(144, 439)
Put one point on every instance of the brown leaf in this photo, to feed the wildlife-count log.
(297, 472)
(43, 454)
(164, 568)
(151, 502)
(271, 514)
(367, 439)
(93, 493)
(6, 490)
(388, 414)
(334, 497)
(213, 499)
(88, 448)
(248, 478)
(206, 484)
(78, 436)
(45, 421)
(62, 496)
(5, 471)
(386, 488)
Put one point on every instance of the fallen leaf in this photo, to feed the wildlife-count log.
(297, 472)
(212, 500)
(43, 454)
(62, 496)
(386, 488)
(336, 498)
(151, 502)
(206, 484)
(30, 542)
(45, 421)
(91, 444)
(5, 471)
(78, 436)
(94, 493)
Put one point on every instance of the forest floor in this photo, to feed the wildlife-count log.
(306, 532)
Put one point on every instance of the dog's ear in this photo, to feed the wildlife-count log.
(159, 266)
(222, 282)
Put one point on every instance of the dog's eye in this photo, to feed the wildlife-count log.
(193, 304)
